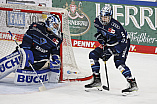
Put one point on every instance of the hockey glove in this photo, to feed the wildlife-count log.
(55, 63)
(104, 57)
(106, 53)
(101, 38)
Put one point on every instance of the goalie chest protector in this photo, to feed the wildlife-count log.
(40, 41)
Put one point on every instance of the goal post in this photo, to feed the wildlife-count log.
(17, 18)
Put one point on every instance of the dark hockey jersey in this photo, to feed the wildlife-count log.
(41, 42)
(114, 33)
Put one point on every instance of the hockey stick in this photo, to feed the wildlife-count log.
(14, 39)
(106, 87)
(96, 25)
(42, 88)
(21, 56)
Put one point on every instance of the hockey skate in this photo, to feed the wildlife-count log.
(96, 83)
(131, 88)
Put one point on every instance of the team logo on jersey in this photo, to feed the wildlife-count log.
(79, 22)
(43, 41)
(111, 30)
(55, 41)
(115, 25)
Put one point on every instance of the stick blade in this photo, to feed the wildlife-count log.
(42, 88)
(105, 88)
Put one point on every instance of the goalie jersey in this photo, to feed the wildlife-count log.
(41, 42)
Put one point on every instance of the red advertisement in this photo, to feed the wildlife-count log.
(133, 48)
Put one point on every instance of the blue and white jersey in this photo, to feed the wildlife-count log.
(114, 33)
(40, 42)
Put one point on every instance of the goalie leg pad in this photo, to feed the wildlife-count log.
(9, 64)
(12, 62)
(54, 75)
(27, 77)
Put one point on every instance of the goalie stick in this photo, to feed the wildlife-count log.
(14, 39)
(18, 47)
(42, 88)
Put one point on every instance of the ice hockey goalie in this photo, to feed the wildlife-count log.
(40, 47)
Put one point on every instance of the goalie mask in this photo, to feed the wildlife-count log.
(53, 23)
(106, 14)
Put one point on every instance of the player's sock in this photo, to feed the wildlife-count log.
(132, 86)
(96, 81)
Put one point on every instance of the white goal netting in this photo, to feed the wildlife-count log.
(17, 18)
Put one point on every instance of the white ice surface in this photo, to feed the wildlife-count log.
(143, 67)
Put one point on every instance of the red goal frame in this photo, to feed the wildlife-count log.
(60, 16)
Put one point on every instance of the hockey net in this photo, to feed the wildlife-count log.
(17, 18)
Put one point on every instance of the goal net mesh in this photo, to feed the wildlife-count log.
(17, 19)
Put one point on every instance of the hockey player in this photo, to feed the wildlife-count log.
(43, 40)
(40, 47)
(113, 39)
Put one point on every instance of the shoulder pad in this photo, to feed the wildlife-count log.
(116, 21)
(37, 25)
(97, 22)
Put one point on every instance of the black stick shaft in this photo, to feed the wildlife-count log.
(107, 88)
(106, 75)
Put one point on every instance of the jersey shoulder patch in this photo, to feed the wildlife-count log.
(97, 23)
(116, 24)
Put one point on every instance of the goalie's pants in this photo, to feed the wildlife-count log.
(38, 65)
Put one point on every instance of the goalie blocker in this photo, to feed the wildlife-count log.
(16, 63)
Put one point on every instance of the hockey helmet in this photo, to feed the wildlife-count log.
(106, 14)
(53, 23)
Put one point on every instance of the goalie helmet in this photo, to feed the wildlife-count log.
(106, 14)
(53, 23)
